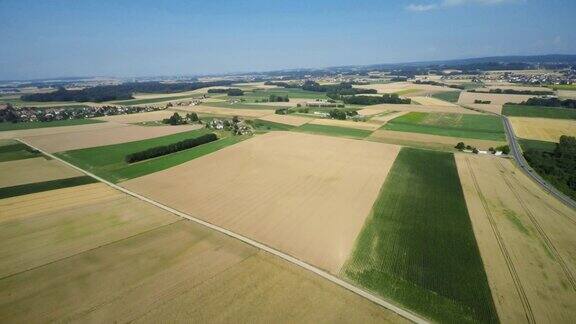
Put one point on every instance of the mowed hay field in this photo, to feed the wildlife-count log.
(527, 240)
(138, 118)
(543, 129)
(305, 195)
(203, 109)
(429, 141)
(99, 137)
(19, 172)
(286, 119)
(375, 109)
(481, 127)
(417, 246)
(345, 124)
(93, 254)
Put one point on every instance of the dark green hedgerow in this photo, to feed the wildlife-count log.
(170, 148)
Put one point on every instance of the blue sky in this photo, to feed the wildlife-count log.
(52, 38)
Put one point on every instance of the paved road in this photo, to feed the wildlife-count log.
(373, 298)
(516, 151)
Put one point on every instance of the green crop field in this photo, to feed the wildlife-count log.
(455, 125)
(16, 151)
(69, 122)
(450, 96)
(30, 188)
(527, 144)
(563, 87)
(417, 247)
(406, 91)
(264, 125)
(108, 161)
(333, 131)
(539, 111)
(290, 92)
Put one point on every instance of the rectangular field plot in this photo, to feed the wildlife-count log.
(537, 111)
(429, 141)
(455, 125)
(527, 240)
(31, 125)
(334, 131)
(124, 265)
(19, 172)
(108, 161)
(417, 246)
(543, 129)
(305, 195)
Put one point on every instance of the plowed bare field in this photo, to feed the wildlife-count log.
(99, 137)
(527, 240)
(306, 195)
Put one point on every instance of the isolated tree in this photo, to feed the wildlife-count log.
(460, 146)
(193, 117)
(475, 151)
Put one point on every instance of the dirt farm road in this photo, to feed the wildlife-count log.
(373, 298)
(517, 153)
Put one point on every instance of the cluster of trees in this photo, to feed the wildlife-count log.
(171, 148)
(335, 91)
(282, 111)
(282, 84)
(275, 98)
(515, 91)
(461, 146)
(118, 92)
(228, 91)
(391, 98)
(341, 114)
(478, 101)
(558, 166)
(8, 114)
(551, 102)
(176, 119)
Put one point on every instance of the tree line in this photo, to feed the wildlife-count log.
(550, 102)
(557, 167)
(387, 98)
(228, 91)
(171, 148)
(515, 91)
(123, 91)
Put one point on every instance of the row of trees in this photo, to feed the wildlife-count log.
(461, 146)
(391, 98)
(118, 92)
(171, 148)
(228, 91)
(440, 84)
(515, 91)
(342, 114)
(551, 102)
(557, 167)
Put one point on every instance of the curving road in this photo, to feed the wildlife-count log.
(516, 151)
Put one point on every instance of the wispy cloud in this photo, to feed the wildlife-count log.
(420, 7)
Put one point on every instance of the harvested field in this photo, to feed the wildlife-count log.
(543, 129)
(100, 137)
(287, 119)
(430, 101)
(381, 120)
(427, 140)
(494, 98)
(417, 108)
(393, 87)
(334, 131)
(567, 94)
(56, 130)
(417, 246)
(345, 123)
(177, 272)
(5, 126)
(539, 111)
(139, 118)
(527, 240)
(292, 103)
(305, 195)
(202, 109)
(495, 109)
(19, 172)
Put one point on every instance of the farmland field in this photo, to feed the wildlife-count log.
(455, 125)
(305, 195)
(527, 240)
(333, 131)
(58, 266)
(19, 172)
(417, 246)
(543, 129)
(287, 119)
(451, 96)
(431, 101)
(30, 125)
(139, 117)
(537, 111)
(108, 161)
(345, 124)
(445, 143)
(99, 137)
(494, 98)
(416, 108)
(536, 145)
(13, 150)
(29, 188)
(239, 111)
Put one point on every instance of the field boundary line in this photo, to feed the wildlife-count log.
(373, 298)
(500, 240)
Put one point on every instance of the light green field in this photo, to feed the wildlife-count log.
(455, 125)
(450, 96)
(69, 122)
(563, 87)
(417, 247)
(333, 131)
(108, 161)
(13, 150)
(539, 111)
